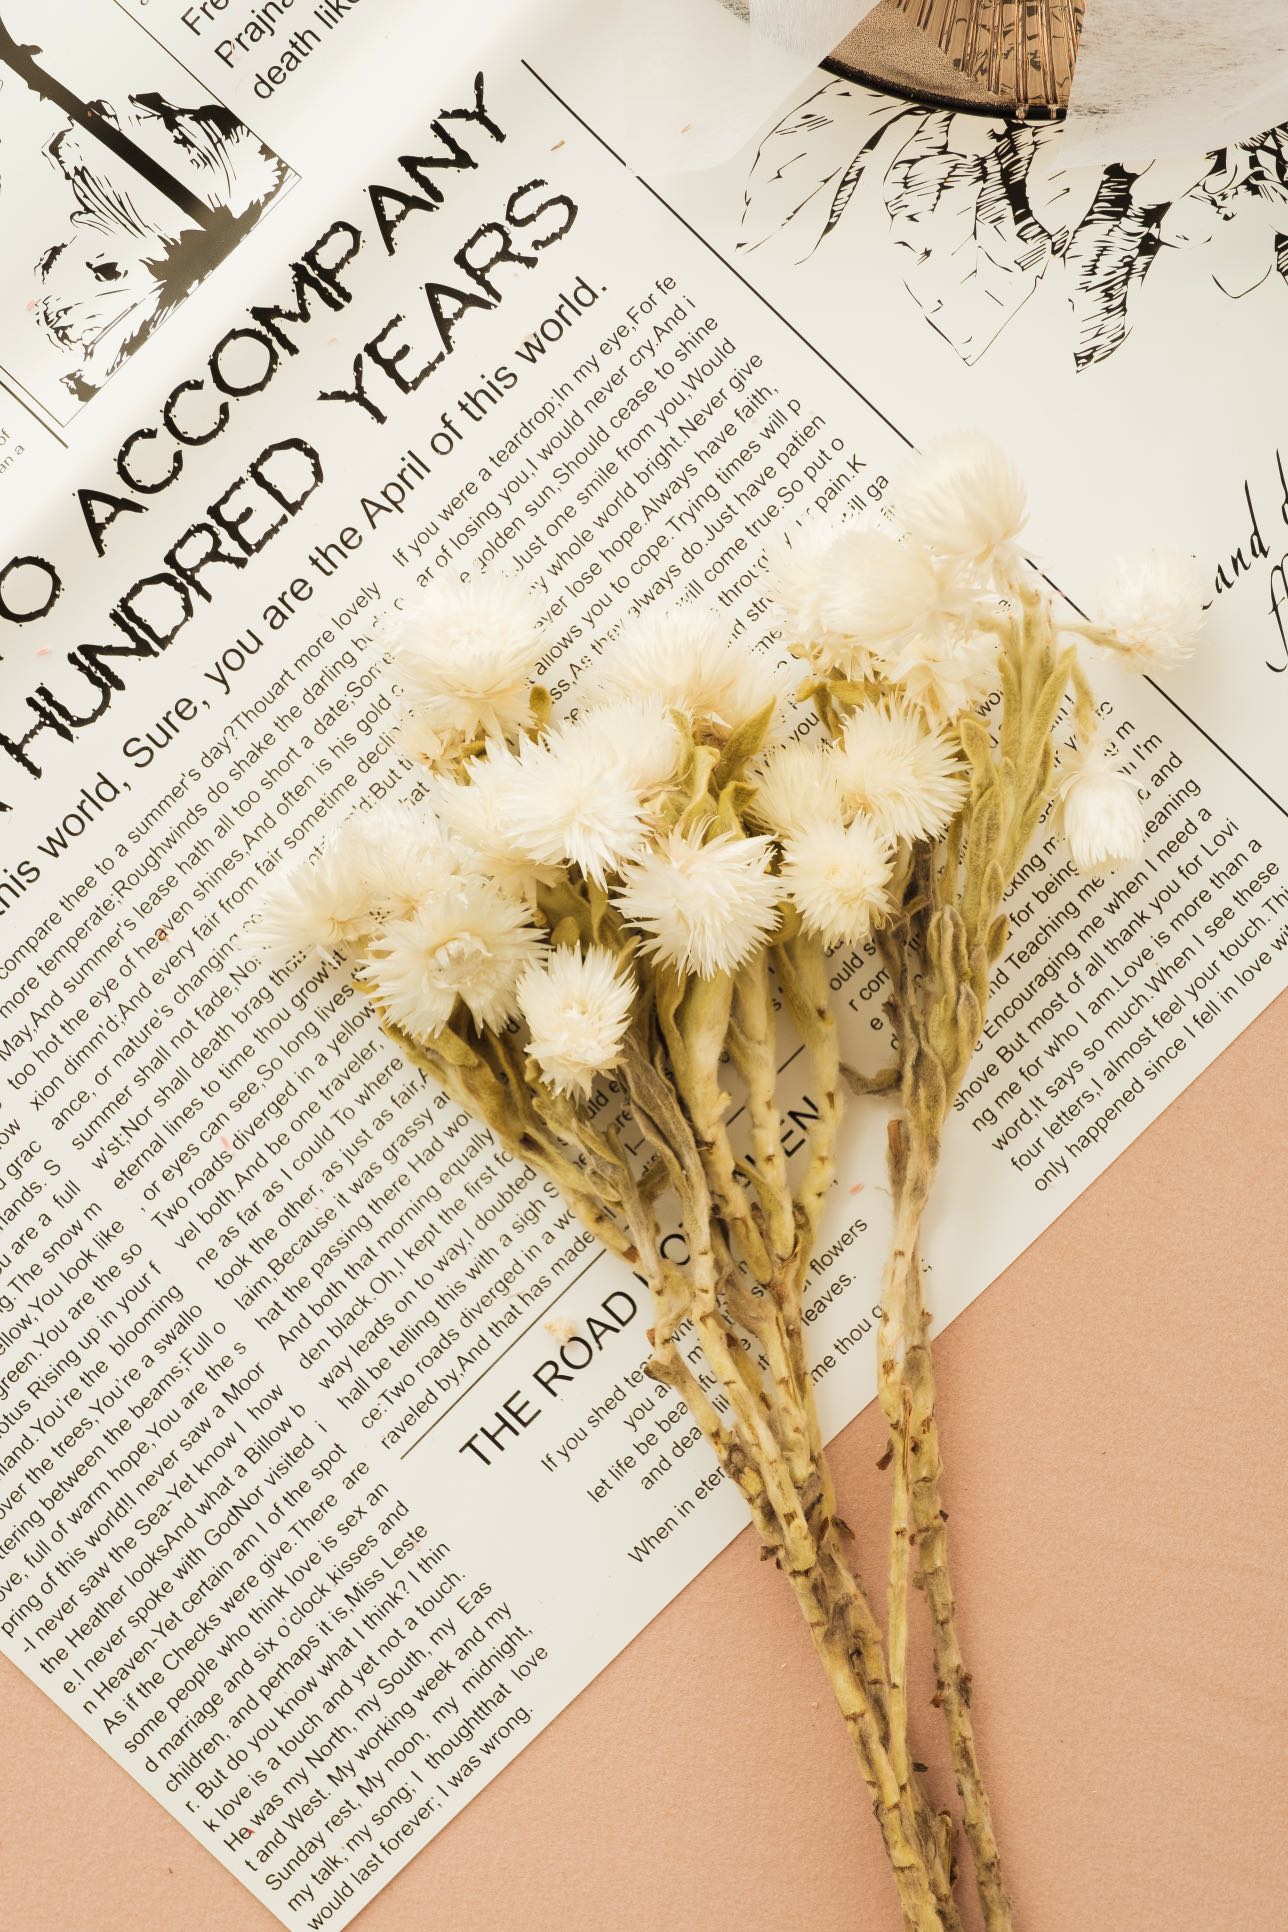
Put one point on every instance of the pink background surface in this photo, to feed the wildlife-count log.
(1115, 1438)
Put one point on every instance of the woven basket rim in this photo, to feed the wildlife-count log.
(992, 109)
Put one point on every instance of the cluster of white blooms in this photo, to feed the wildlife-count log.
(912, 607)
(685, 803)
(911, 615)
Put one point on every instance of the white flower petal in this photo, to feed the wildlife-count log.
(578, 1007)
(874, 595)
(874, 588)
(401, 854)
(795, 568)
(478, 808)
(1101, 815)
(464, 659)
(684, 660)
(1154, 606)
(638, 737)
(379, 864)
(962, 497)
(944, 671)
(704, 907)
(796, 784)
(574, 803)
(313, 907)
(904, 775)
(837, 878)
(425, 744)
(470, 942)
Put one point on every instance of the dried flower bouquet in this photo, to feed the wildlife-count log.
(633, 894)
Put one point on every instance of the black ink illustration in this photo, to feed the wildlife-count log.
(115, 203)
(982, 210)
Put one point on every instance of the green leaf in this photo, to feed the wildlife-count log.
(977, 743)
(742, 746)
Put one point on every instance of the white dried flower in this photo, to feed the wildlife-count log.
(794, 564)
(575, 802)
(684, 660)
(478, 808)
(470, 942)
(424, 744)
(379, 864)
(880, 592)
(320, 906)
(577, 1006)
(944, 671)
(399, 854)
(1153, 607)
(637, 737)
(464, 659)
(1101, 815)
(964, 498)
(796, 784)
(906, 776)
(704, 906)
(837, 878)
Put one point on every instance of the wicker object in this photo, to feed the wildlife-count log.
(1009, 56)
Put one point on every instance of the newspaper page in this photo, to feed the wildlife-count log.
(329, 1469)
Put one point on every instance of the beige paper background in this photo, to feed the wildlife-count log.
(1116, 1440)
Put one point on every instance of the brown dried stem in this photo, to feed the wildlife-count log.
(908, 1397)
(769, 1447)
(938, 967)
(736, 1215)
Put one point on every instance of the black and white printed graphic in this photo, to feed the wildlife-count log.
(122, 185)
(982, 211)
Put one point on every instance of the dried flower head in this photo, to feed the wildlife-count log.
(963, 497)
(577, 1006)
(1153, 608)
(468, 943)
(905, 775)
(380, 863)
(575, 801)
(704, 905)
(881, 592)
(398, 854)
(944, 671)
(423, 743)
(795, 785)
(636, 737)
(319, 906)
(478, 809)
(684, 659)
(837, 877)
(1101, 815)
(464, 659)
(795, 566)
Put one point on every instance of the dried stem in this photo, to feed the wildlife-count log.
(901, 1538)
(908, 1398)
(752, 1048)
(769, 1440)
(768, 1447)
(953, 934)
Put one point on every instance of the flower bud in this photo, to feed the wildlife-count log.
(1103, 820)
